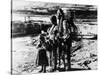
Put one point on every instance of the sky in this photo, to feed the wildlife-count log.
(21, 4)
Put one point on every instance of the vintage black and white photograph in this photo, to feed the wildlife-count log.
(53, 37)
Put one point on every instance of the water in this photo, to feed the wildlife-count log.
(21, 17)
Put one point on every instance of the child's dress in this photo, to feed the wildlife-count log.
(42, 58)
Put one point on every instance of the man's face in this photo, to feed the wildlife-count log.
(59, 14)
(65, 23)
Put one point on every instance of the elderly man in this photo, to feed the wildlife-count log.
(66, 29)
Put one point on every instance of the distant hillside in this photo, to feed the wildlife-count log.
(30, 8)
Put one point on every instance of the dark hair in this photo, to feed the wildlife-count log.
(60, 14)
(29, 22)
(53, 19)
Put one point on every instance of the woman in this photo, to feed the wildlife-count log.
(53, 42)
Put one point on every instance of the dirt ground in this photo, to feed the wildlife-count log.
(24, 53)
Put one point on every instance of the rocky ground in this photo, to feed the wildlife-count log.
(84, 53)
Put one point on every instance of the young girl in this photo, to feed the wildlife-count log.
(42, 59)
